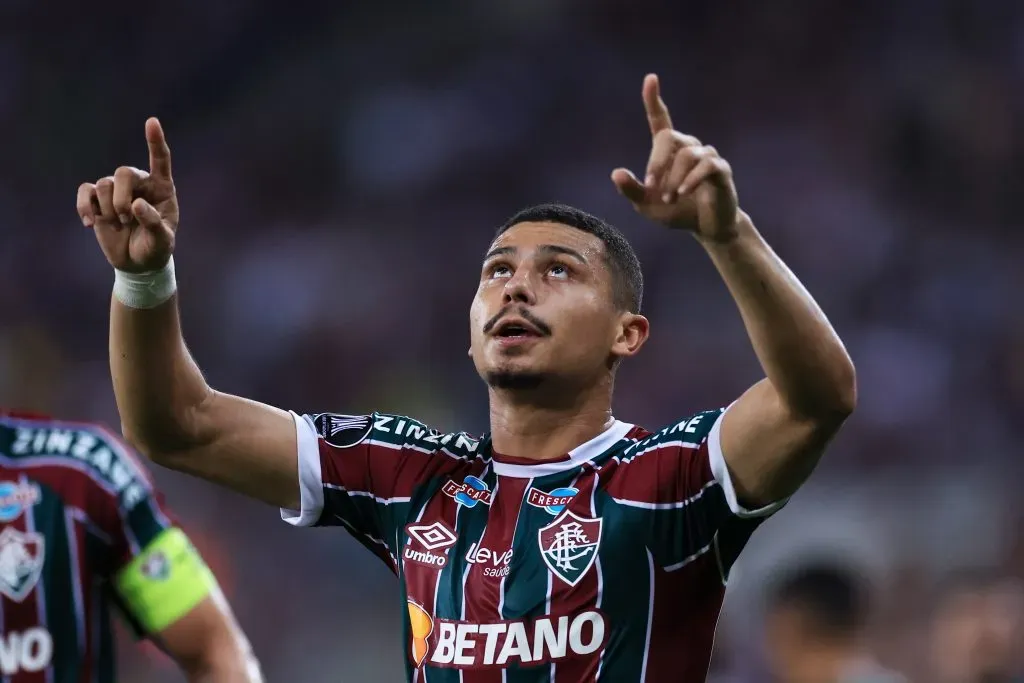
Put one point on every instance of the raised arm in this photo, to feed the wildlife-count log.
(773, 435)
(168, 411)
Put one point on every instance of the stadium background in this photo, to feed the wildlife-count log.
(341, 167)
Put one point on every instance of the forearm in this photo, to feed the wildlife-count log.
(226, 669)
(232, 667)
(158, 386)
(801, 354)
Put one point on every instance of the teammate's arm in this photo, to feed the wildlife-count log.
(209, 647)
(773, 435)
(159, 580)
(167, 409)
(173, 599)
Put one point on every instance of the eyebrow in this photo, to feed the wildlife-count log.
(544, 248)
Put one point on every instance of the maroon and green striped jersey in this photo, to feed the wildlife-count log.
(75, 507)
(608, 564)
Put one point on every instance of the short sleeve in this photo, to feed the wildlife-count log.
(675, 482)
(721, 475)
(310, 475)
(362, 472)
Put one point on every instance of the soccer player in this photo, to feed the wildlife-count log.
(83, 530)
(565, 545)
(815, 630)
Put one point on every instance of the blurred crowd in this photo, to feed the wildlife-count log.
(342, 166)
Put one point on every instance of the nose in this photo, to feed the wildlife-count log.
(519, 289)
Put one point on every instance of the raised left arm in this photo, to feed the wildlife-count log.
(773, 436)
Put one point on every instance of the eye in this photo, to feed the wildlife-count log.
(558, 270)
(499, 270)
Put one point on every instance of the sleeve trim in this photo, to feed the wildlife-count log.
(720, 471)
(311, 488)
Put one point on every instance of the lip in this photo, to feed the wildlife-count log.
(516, 341)
(531, 331)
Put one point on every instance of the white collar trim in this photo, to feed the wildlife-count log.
(577, 456)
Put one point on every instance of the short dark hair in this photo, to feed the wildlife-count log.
(834, 597)
(627, 277)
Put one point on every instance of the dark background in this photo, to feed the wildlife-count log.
(341, 168)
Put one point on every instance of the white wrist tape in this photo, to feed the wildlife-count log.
(145, 290)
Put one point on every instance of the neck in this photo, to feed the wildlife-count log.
(830, 663)
(524, 427)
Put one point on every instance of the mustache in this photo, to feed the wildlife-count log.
(523, 313)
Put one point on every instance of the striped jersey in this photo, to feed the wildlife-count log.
(608, 564)
(75, 507)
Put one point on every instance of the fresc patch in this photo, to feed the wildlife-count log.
(555, 501)
(16, 497)
(471, 491)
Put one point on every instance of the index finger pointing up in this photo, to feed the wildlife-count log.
(159, 152)
(657, 113)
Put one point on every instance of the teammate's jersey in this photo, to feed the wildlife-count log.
(82, 531)
(608, 564)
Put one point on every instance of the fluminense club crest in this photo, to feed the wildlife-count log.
(21, 562)
(569, 545)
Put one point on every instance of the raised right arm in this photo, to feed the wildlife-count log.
(176, 419)
(168, 411)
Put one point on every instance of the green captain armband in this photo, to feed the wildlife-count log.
(165, 581)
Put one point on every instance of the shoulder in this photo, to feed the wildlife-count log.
(688, 432)
(84, 449)
(390, 431)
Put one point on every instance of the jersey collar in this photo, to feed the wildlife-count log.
(577, 456)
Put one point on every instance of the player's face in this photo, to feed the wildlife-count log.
(793, 650)
(544, 308)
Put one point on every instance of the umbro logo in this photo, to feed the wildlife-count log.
(428, 544)
(432, 536)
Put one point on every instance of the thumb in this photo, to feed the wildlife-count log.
(629, 186)
(149, 220)
(146, 214)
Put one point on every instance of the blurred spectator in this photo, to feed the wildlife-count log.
(816, 628)
(977, 632)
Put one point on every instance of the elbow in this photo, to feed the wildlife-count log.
(148, 443)
(831, 398)
(164, 441)
(138, 440)
(846, 396)
(840, 400)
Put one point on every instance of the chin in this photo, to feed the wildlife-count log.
(514, 379)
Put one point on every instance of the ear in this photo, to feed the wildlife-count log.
(631, 334)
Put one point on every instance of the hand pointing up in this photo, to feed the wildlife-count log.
(134, 213)
(686, 184)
